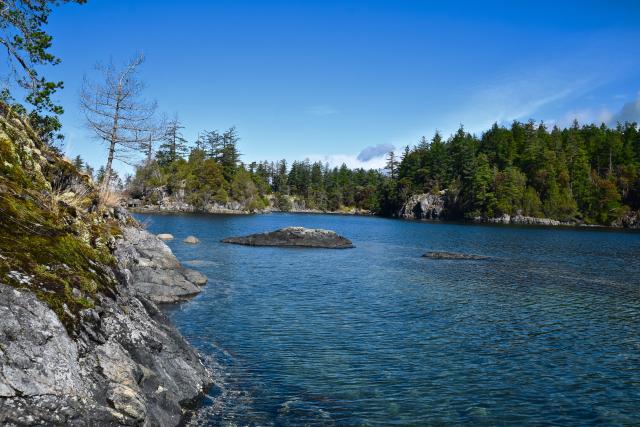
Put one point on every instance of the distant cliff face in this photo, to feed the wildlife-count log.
(79, 344)
(424, 206)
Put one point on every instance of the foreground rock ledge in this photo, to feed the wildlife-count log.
(454, 255)
(295, 236)
(153, 269)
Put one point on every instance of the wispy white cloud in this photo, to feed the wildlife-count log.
(321, 110)
(583, 116)
(372, 152)
(520, 98)
(351, 160)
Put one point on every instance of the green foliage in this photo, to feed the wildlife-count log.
(588, 173)
(53, 234)
(28, 46)
(282, 202)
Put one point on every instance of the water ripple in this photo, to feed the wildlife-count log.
(545, 332)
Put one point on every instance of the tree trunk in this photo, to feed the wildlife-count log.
(107, 171)
(112, 142)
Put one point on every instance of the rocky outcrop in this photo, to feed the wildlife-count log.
(81, 342)
(165, 236)
(192, 240)
(124, 364)
(630, 219)
(168, 205)
(154, 271)
(294, 236)
(454, 256)
(519, 220)
(423, 206)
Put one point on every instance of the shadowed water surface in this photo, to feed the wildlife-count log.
(546, 331)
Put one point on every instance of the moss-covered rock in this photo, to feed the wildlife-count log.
(79, 343)
(53, 234)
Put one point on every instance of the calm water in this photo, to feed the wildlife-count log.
(547, 331)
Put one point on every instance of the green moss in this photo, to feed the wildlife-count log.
(42, 252)
(50, 244)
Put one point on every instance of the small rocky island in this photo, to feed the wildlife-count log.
(454, 256)
(294, 236)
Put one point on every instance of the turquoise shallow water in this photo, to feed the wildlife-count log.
(545, 332)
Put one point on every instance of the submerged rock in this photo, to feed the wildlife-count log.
(454, 255)
(294, 236)
(165, 236)
(193, 240)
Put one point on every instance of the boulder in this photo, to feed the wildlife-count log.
(294, 236)
(165, 236)
(193, 240)
(454, 256)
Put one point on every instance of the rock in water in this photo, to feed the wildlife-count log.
(453, 255)
(295, 236)
(165, 236)
(155, 272)
(193, 240)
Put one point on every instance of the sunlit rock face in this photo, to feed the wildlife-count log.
(423, 206)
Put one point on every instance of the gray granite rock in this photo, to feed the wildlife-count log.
(155, 272)
(294, 236)
(424, 206)
(126, 366)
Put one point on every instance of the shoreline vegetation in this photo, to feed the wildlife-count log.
(518, 221)
(522, 174)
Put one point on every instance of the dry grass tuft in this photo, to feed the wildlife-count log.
(110, 199)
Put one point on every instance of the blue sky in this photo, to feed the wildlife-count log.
(327, 79)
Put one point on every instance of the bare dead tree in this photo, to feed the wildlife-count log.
(117, 114)
(154, 134)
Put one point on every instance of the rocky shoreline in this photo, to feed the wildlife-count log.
(433, 207)
(127, 365)
(82, 341)
(157, 209)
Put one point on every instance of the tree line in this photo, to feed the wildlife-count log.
(583, 173)
(210, 171)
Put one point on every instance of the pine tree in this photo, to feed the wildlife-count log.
(174, 145)
(229, 156)
(392, 165)
(78, 163)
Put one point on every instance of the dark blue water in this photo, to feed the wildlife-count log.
(546, 332)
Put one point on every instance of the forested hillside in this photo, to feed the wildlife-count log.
(586, 174)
